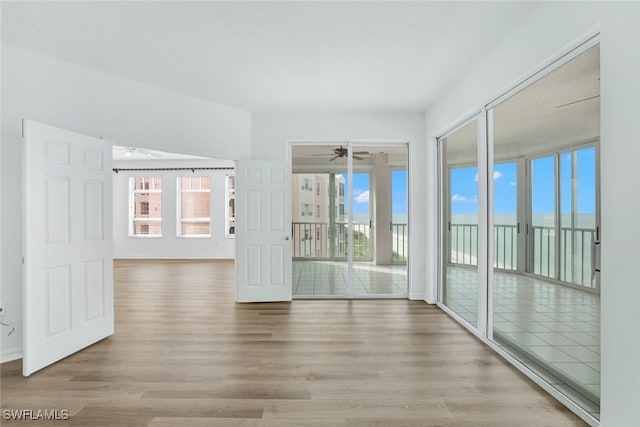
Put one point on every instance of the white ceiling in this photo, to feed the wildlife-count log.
(121, 153)
(273, 56)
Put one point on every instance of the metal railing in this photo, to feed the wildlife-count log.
(574, 247)
(576, 254)
(463, 244)
(543, 251)
(399, 242)
(505, 247)
(319, 240)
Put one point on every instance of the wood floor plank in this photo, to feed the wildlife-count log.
(185, 354)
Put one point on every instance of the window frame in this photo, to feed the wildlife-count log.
(180, 220)
(229, 189)
(148, 187)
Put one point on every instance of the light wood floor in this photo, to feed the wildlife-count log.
(184, 354)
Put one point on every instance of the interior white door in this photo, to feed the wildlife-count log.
(263, 231)
(68, 261)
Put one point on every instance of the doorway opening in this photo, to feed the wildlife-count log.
(349, 220)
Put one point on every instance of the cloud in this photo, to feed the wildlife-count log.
(513, 183)
(463, 199)
(496, 175)
(361, 196)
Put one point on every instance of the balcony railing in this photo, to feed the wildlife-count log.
(575, 246)
(463, 244)
(399, 242)
(320, 241)
(505, 246)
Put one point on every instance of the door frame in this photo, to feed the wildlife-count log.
(350, 143)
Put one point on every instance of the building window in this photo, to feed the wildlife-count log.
(145, 207)
(317, 211)
(230, 220)
(306, 210)
(194, 206)
(341, 189)
(317, 188)
(341, 209)
(305, 185)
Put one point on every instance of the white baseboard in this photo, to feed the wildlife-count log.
(416, 296)
(11, 354)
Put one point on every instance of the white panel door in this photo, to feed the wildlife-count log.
(263, 227)
(68, 263)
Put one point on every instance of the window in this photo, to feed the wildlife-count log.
(305, 185)
(145, 209)
(306, 210)
(317, 211)
(194, 206)
(317, 188)
(230, 220)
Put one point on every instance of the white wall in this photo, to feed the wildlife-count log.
(170, 246)
(85, 100)
(272, 131)
(547, 32)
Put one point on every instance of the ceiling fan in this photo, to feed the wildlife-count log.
(578, 101)
(341, 152)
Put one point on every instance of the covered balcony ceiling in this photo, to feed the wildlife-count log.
(312, 158)
(559, 110)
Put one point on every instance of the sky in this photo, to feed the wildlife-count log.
(464, 185)
(361, 192)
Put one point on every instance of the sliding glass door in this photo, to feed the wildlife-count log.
(350, 229)
(546, 311)
(459, 198)
(536, 178)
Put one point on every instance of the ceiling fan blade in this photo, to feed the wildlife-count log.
(578, 101)
(360, 152)
(358, 157)
(333, 158)
(314, 155)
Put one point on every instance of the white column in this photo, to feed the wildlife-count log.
(382, 209)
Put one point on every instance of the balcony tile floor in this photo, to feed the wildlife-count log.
(329, 278)
(553, 329)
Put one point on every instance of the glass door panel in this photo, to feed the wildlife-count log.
(321, 225)
(578, 229)
(460, 222)
(319, 221)
(546, 308)
(506, 229)
(379, 198)
(399, 220)
(542, 231)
